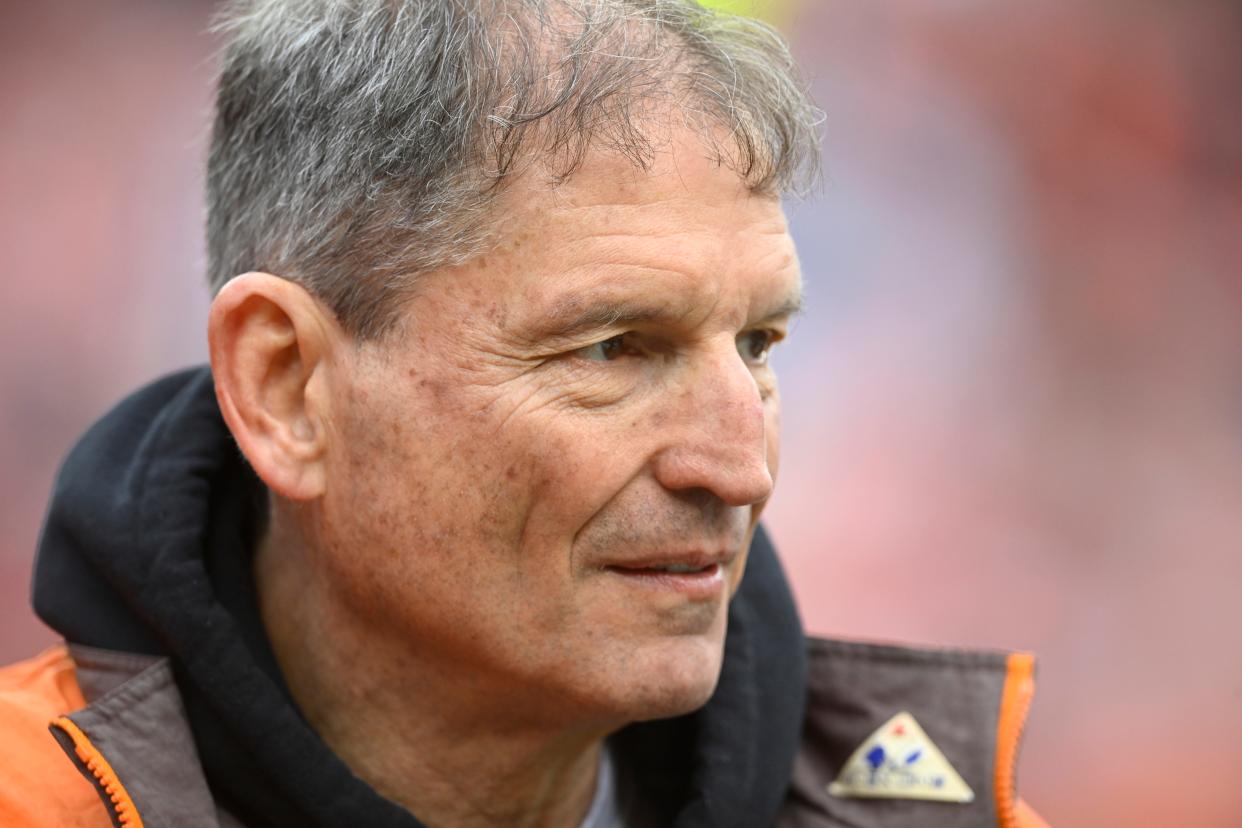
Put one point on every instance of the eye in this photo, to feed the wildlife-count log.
(605, 350)
(755, 346)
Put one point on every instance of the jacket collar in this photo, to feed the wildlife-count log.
(962, 699)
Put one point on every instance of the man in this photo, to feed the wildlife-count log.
(454, 530)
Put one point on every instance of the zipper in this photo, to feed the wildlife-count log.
(116, 799)
(1015, 704)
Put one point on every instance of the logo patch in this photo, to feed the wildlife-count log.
(899, 761)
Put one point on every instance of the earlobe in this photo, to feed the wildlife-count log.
(271, 343)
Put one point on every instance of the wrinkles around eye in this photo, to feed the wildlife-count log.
(605, 350)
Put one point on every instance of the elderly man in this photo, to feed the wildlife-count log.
(454, 530)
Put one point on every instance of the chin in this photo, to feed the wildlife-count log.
(673, 679)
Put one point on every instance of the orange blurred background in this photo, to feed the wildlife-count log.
(1013, 412)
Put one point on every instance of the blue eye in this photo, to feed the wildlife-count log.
(755, 346)
(605, 351)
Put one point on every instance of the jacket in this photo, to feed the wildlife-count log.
(165, 705)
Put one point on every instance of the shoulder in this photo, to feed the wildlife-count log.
(39, 785)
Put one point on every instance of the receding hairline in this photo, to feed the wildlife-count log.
(601, 69)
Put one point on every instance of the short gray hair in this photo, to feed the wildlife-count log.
(359, 143)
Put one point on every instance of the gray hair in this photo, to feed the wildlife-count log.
(359, 143)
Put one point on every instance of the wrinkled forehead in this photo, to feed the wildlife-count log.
(683, 185)
(684, 229)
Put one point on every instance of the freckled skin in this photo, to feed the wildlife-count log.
(480, 479)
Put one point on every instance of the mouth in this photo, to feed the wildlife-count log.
(700, 581)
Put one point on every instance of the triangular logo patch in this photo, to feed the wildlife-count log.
(899, 761)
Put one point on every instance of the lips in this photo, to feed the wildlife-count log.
(698, 576)
(677, 569)
(673, 569)
(683, 563)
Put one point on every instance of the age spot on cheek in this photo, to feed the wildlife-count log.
(432, 388)
(655, 421)
(498, 314)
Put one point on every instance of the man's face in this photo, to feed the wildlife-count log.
(545, 486)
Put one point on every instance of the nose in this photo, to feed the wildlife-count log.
(719, 442)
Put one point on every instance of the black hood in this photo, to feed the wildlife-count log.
(147, 549)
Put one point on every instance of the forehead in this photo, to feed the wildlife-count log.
(686, 229)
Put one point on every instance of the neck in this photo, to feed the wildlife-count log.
(447, 747)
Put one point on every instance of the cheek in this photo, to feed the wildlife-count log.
(424, 516)
(407, 478)
(441, 477)
(772, 436)
(772, 432)
(563, 470)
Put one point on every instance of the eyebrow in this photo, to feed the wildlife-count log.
(791, 307)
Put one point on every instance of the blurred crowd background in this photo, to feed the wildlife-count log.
(1013, 411)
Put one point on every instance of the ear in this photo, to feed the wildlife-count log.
(271, 345)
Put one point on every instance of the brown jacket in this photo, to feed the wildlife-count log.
(120, 751)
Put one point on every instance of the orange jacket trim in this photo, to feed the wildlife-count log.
(39, 786)
(1015, 703)
(121, 803)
